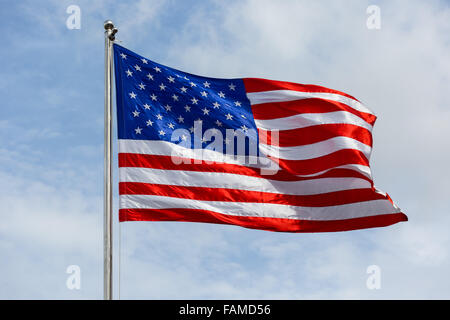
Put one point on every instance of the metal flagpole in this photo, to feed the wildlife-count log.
(110, 31)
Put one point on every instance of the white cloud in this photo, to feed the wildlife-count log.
(44, 230)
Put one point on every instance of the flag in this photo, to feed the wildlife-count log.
(256, 153)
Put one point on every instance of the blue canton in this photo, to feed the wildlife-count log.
(153, 101)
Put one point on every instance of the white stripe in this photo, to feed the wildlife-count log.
(365, 170)
(312, 119)
(290, 95)
(268, 210)
(315, 150)
(240, 182)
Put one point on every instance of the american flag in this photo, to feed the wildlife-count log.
(256, 153)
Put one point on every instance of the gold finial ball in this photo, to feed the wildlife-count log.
(108, 24)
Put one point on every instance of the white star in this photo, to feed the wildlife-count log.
(227, 141)
(157, 69)
(124, 56)
(144, 61)
(219, 124)
(154, 98)
(137, 68)
(194, 101)
(216, 105)
(150, 77)
(187, 108)
(159, 116)
(132, 95)
(243, 116)
(129, 73)
(184, 137)
(183, 89)
(175, 97)
(146, 106)
(191, 129)
(229, 116)
(162, 86)
(167, 107)
(232, 86)
(185, 78)
(138, 130)
(206, 84)
(204, 94)
(171, 79)
(244, 128)
(237, 103)
(136, 113)
(162, 133)
(205, 111)
(193, 84)
(171, 125)
(180, 119)
(142, 86)
(149, 123)
(221, 94)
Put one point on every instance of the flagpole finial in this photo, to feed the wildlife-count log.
(108, 24)
(110, 29)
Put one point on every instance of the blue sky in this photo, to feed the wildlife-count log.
(51, 147)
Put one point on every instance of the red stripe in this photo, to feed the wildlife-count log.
(258, 85)
(167, 163)
(270, 224)
(274, 110)
(232, 195)
(335, 159)
(313, 134)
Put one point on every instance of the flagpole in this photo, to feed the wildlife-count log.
(110, 31)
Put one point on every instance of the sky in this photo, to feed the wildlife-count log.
(51, 148)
